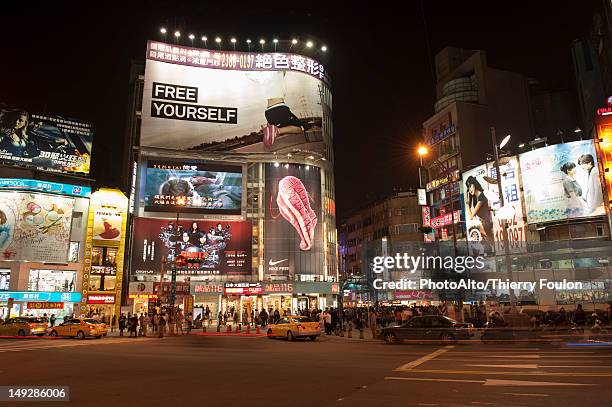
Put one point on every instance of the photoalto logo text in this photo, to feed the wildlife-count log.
(413, 263)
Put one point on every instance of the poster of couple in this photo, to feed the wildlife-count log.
(562, 181)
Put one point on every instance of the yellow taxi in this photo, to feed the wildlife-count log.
(80, 328)
(24, 326)
(292, 327)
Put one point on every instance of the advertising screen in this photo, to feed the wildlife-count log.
(49, 143)
(222, 101)
(562, 182)
(204, 247)
(483, 215)
(201, 188)
(5, 279)
(293, 230)
(604, 147)
(35, 227)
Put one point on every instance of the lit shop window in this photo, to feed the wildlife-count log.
(103, 269)
(52, 280)
(5, 279)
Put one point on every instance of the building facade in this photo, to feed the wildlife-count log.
(44, 206)
(231, 172)
(379, 227)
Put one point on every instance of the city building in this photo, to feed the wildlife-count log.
(45, 194)
(381, 226)
(471, 97)
(231, 177)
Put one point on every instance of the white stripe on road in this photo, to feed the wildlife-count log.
(423, 379)
(423, 359)
(530, 366)
(65, 345)
(529, 394)
(497, 382)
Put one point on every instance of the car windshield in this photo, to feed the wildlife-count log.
(35, 320)
(302, 319)
(92, 321)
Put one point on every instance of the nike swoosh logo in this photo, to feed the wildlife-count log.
(274, 263)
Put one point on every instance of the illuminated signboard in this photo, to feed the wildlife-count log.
(101, 299)
(413, 295)
(446, 219)
(437, 137)
(437, 183)
(243, 288)
(143, 296)
(422, 195)
(271, 288)
(206, 288)
(45, 186)
(604, 150)
(45, 305)
(37, 296)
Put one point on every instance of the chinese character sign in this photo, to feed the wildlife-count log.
(483, 214)
(232, 101)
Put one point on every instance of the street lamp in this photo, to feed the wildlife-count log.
(422, 151)
(504, 220)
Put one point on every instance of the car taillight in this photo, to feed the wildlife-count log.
(300, 327)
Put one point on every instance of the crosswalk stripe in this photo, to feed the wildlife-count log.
(423, 359)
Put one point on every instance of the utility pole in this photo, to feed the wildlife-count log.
(504, 223)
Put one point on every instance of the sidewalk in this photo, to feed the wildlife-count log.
(355, 337)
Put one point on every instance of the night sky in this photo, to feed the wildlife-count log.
(62, 59)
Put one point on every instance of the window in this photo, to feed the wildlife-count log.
(73, 254)
(77, 220)
(52, 280)
(5, 279)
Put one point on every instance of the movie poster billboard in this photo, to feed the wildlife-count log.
(293, 230)
(484, 217)
(562, 181)
(203, 247)
(50, 143)
(35, 227)
(233, 101)
(603, 144)
(201, 188)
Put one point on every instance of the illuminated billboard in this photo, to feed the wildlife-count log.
(293, 228)
(562, 182)
(604, 148)
(233, 101)
(51, 143)
(35, 227)
(203, 247)
(201, 188)
(484, 218)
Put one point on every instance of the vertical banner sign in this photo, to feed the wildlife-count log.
(604, 150)
(484, 217)
(293, 238)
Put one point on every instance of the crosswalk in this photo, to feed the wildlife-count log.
(37, 345)
(507, 366)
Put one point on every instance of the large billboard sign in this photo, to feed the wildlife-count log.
(201, 188)
(35, 227)
(49, 143)
(203, 247)
(293, 231)
(604, 147)
(484, 218)
(562, 182)
(232, 101)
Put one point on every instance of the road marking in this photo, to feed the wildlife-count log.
(496, 382)
(514, 356)
(423, 379)
(65, 345)
(530, 366)
(529, 394)
(514, 360)
(515, 373)
(423, 359)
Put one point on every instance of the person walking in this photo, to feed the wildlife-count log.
(52, 320)
(141, 325)
(161, 326)
(372, 322)
(145, 324)
(122, 323)
(113, 322)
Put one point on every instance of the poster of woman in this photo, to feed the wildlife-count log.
(561, 182)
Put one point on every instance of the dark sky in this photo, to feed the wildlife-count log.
(60, 58)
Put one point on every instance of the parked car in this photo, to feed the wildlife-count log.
(23, 326)
(292, 327)
(428, 327)
(79, 328)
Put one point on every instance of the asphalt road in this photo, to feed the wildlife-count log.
(256, 371)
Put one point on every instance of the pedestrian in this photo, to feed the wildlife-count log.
(141, 324)
(52, 320)
(134, 325)
(328, 322)
(372, 322)
(161, 326)
(579, 316)
(145, 324)
(122, 322)
(113, 323)
(179, 322)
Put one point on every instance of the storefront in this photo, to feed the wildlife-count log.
(142, 297)
(16, 303)
(101, 306)
(206, 295)
(277, 296)
(242, 299)
(310, 295)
